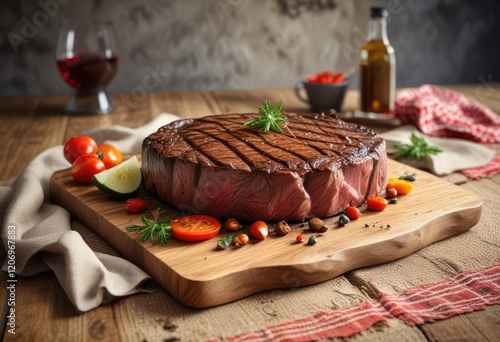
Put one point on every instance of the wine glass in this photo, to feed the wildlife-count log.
(87, 61)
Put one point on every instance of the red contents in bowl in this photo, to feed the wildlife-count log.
(326, 77)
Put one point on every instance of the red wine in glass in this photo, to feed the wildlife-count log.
(88, 71)
(87, 61)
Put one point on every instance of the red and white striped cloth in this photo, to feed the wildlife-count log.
(467, 292)
(487, 170)
(441, 112)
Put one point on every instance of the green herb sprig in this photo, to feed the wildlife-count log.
(270, 118)
(153, 229)
(417, 150)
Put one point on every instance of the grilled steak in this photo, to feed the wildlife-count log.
(212, 165)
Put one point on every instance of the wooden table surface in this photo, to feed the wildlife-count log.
(30, 125)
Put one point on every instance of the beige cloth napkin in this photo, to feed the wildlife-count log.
(44, 240)
(458, 154)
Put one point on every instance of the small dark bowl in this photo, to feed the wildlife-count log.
(322, 97)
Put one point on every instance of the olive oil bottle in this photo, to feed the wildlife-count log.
(378, 67)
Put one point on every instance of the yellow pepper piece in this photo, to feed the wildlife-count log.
(402, 186)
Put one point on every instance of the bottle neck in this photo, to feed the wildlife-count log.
(377, 29)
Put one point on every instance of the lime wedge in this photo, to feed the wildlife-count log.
(122, 179)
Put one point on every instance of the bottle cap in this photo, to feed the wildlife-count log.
(377, 12)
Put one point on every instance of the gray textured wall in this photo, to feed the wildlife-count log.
(243, 44)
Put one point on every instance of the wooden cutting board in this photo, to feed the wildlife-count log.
(199, 275)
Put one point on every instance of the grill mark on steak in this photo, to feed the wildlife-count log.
(297, 126)
(244, 158)
(310, 142)
(283, 159)
(311, 161)
(259, 152)
(338, 145)
(284, 142)
(303, 159)
(267, 154)
(194, 148)
(325, 133)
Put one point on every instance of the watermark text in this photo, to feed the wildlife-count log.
(11, 279)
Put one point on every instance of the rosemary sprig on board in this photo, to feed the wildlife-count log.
(417, 150)
(153, 229)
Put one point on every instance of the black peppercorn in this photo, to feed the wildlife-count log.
(343, 220)
(312, 240)
(393, 201)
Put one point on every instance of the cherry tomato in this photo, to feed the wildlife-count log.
(352, 212)
(195, 227)
(259, 230)
(79, 146)
(85, 167)
(109, 155)
(377, 203)
(135, 205)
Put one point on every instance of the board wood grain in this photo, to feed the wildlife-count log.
(199, 275)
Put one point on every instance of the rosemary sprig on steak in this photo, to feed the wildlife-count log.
(153, 229)
(417, 150)
(270, 118)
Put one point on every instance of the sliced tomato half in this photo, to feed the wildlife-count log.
(195, 227)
